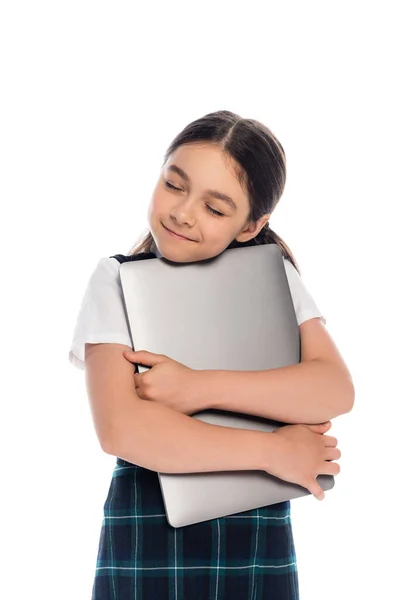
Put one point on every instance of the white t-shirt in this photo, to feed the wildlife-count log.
(101, 317)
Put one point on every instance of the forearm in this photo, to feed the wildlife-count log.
(307, 392)
(160, 439)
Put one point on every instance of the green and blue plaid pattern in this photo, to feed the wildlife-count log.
(247, 556)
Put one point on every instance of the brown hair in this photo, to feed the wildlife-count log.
(262, 169)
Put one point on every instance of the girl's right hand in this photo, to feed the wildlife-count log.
(303, 452)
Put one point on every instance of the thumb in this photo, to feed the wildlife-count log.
(143, 357)
(325, 426)
(316, 490)
(320, 427)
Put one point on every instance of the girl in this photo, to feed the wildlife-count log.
(220, 181)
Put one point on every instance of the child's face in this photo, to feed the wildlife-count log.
(187, 210)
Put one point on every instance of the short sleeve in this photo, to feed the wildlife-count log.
(101, 317)
(304, 305)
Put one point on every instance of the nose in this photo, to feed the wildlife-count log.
(183, 214)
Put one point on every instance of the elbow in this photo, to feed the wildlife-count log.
(108, 447)
(345, 398)
(105, 439)
(352, 395)
(107, 444)
(116, 448)
(129, 440)
(110, 442)
(114, 445)
(122, 436)
(349, 395)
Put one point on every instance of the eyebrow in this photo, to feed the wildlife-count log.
(218, 195)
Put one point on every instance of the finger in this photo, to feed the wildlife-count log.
(139, 391)
(330, 441)
(332, 454)
(316, 490)
(143, 357)
(329, 468)
(128, 355)
(319, 427)
(135, 356)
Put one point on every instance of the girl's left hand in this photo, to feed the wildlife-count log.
(167, 382)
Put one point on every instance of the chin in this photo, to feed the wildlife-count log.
(173, 253)
(175, 256)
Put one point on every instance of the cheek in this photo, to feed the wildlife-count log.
(157, 204)
(219, 238)
(220, 232)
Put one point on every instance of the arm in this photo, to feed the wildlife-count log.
(155, 436)
(158, 438)
(315, 390)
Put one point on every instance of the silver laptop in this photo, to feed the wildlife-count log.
(231, 312)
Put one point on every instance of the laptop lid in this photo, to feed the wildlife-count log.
(231, 312)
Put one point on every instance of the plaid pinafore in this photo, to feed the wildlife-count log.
(247, 556)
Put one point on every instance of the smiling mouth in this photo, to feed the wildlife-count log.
(181, 237)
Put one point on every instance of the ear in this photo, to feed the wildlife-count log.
(252, 229)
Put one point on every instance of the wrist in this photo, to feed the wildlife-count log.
(270, 451)
(200, 399)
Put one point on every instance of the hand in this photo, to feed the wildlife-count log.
(303, 454)
(167, 382)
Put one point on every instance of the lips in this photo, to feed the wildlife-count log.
(178, 234)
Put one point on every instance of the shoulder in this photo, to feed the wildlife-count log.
(109, 265)
(304, 303)
(105, 270)
(101, 317)
(291, 270)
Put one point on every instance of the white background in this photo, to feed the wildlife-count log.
(92, 94)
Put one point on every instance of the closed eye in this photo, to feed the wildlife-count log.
(172, 187)
(214, 212)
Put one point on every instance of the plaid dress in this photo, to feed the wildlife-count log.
(247, 556)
